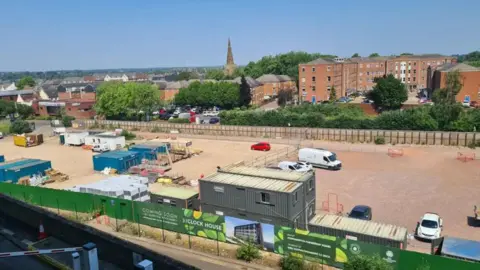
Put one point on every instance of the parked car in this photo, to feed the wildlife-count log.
(261, 146)
(214, 120)
(430, 226)
(1, 135)
(361, 212)
(318, 157)
(165, 116)
(273, 168)
(100, 148)
(294, 166)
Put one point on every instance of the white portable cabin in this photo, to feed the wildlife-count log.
(75, 138)
(111, 140)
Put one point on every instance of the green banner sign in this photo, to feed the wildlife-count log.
(307, 245)
(389, 254)
(184, 221)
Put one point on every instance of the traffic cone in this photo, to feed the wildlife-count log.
(201, 176)
(41, 232)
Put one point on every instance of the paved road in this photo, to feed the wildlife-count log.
(20, 263)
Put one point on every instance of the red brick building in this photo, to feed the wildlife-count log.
(469, 77)
(318, 77)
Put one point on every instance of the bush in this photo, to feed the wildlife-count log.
(248, 252)
(20, 127)
(380, 140)
(292, 263)
(67, 120)
(128, 135)
(364, 262)
(5, 128)
(179, 121)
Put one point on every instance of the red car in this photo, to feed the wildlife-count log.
(261, 146)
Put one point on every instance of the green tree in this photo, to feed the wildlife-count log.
(245, 93)
(117, 99)
(333, 95)
(20, 127)
(6, 108)
(284, 96)
(281, 64)
(374, 55)
(406, 53)
(208, 94)
(215, 74)
(25, 81)
(24, 111)
(468, 121)
(186, 75)
(355, 55)
(447, 94)
(388, 93)
(364, 262)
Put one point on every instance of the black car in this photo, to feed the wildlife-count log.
(361, 212)
(214, 120)
(165, 116)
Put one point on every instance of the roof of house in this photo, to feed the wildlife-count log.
(250, 81)
(115, 74)
(16, 92)
(321, 61)
(462, 67)
(174, 192)
(365, 227)
(73, 79)
(268, 173)
(252, 182)
(50, 90)
(271, 78)
(177, 84)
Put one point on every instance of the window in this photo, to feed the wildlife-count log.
(329, 78)
(414, 63)
(328, 68)
(311, 210)
(368, 73)
(403, 71)
(313, 88)
(409, 71)
(265, 197)
(296, 197)
(414, 78)
(303, 69)
(403, 79)
(160, 201)
(303, 79)
(414, 71)
(219, 189)
(310, 183)
(313, 78)
(313, 69)
(173, 203)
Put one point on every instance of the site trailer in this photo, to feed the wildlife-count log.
(75, 138)
(149, 152)
(16, 169)
(118, 160)
(176, 197)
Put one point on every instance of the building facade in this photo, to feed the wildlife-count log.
(260, 194)
(347, 75)
(469, 78)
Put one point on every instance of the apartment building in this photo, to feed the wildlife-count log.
(347, 75)
(469, 78)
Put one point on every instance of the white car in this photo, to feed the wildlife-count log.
(100, 148)
(295, 166)
(430, 226)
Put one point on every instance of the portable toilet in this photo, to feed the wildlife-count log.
(62, 138)
(118, 160)
(2, 158)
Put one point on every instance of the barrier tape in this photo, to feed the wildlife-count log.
(39, 252)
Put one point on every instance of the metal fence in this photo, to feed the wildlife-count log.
(340, 135)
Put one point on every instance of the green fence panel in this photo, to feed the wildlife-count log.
(414, 260)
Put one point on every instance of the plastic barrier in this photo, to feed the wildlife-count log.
(395, 152)
(465, 157)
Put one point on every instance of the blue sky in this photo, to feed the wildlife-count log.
(59, 34)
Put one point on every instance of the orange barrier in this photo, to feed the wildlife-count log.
(87, 147)
(330, 204)
(464, 157)
(395, 152)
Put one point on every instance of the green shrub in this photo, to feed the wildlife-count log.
(292, 263)
(20, 127)
(473, 144)
(5, 128)
(67, 120)
(379, 140)
(364, 262)
(128, 135)
(248, 252)
(179, 120)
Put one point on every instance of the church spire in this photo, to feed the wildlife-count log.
(230, 66)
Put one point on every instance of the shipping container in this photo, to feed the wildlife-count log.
(360, 230)
(118, 160)
(146, 151)
(175, 196)
(163, 147)
(75, 138)
(260, 194)
(27, 167)
(2, 158)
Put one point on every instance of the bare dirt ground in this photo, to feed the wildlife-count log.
(400, 190)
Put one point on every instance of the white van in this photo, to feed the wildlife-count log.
(320, 158)
(295, 166)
